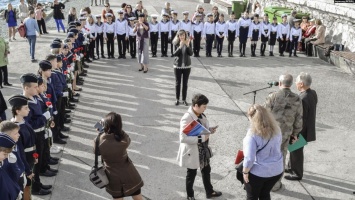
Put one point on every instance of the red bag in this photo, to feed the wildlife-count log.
(22, 30)
(239, 157)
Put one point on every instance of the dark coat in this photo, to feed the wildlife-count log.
(57, 13)
(216, 17)
(309, 102)
(179, 56)
(7, 15)
(121, 173)
(3, 105)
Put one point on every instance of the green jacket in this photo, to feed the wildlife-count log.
(4, 50)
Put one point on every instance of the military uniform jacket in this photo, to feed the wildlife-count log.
(286, 107)
(14, 170)
(57, 84)
(309, 103)
(50, 90)
(9, 190)
(35, 117)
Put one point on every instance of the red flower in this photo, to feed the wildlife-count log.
(84, 54)
(65, 58)
(49, 96)
(65, 72)
(35, 155)
(48, 103)
(75, 50)
(68, 66)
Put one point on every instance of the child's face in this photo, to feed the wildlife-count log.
(3, 155)
(221, 18)
(284, 19)
(165, 17)
(47, 73)
(154, 19)
(41, 88)
(23, 112)
(109, 19)
(131, 22)
(210, 18)
(174, 16)
(59, 64)
(66, 51)
(198, 18)
(232, 16)
(32, 90)
(98, 19)
(256, 19)
(14, 134)
(186, 16)
(275, 21)
(54, 63)
(297, 24)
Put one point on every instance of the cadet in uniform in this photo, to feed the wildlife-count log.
(221, 32)
(283, 34)
(254, 34)
(91, 31)
(243, 24)
(99, 26)
(109, 35)
(186, 24)
(265, 32)
(274, 27)
(121, 32)
(175, 26)
(209, 34)
(132, 37)
(287, 109)
(231, 33)
(295, 37)
(197, 28)
(164, 28)
(154, 34)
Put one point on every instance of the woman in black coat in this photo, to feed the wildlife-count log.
(58, 14)
(182, 64)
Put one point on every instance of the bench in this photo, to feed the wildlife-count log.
(223, 6)
(319, 49)
(344, 60)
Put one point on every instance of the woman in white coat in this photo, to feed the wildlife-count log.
(194, 151)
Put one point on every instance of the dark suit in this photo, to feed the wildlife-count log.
(309, 103)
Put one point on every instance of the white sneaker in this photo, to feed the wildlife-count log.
(55, 149)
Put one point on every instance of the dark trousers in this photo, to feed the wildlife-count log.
(36, 186)
(206, 178)
(294, 45)
(46, 155)
(219, 44)
(60, 109)
(100, 42)
(110, 44)
(92, 49)
(259, 188)
(164, 42)
(309, 48)
(154, 42)
(42, 26)
(3, 72)
(242, 46)
(132, 46)
(172, 46)
(197, 43)
(184, 74)
(121, 40)
(296, 162)
(282, 44)
(230, 47)
(209, 42)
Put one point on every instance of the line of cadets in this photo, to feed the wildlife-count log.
(39, 115)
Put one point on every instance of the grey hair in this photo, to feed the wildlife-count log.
(286, 80)
(198, 6)
(305, 78)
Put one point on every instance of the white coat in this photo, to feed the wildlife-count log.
(188, 155)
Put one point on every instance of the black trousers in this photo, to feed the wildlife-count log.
(132, 46)
(121, 40)
(46, 155)
(154, 42)
(100, 42)
(172, 46)
(209, 42)
(110, 44)
(31, 162)
(219, 44)
(164, 42)
(309, 48)
(42, 26)
(3, 72)
(206, 178)
(92, 49)
(36, 186)
(259, 188)
(296, 162)
(184, 74)
(197, 43)
(282, 44)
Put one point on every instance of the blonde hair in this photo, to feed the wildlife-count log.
(55, 51)
(262, 122)
(318, 22)
(90, 18)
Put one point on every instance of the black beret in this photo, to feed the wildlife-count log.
(28, 78)
(74, 30)
(70, 35)
(6, 141)
(59, 58)
(45, 65)
(72, 24)
(57, 40)
(56, 45)
(70, 27)
(77, 23)
(18, 100)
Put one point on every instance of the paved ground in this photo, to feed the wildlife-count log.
(146, 102)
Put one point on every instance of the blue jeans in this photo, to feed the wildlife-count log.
(59, 22)
(32, 41)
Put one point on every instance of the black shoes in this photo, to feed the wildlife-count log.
(293, 177)
(52, 162)
(7, 84)
(59, 141)
(41, 192)
(288, 171)
(214, 194)
(177, 102)
(190, 198)
(62, 136)
(74, 100)
(48, 173)
(52, 170)
(65, 129)
(46, 187)
(67, 121)
(185, 103)
(102, 56)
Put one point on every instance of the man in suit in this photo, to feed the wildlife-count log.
(309, 103)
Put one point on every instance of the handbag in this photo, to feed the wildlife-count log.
(208, 152)
(239, 167)
(98, 175)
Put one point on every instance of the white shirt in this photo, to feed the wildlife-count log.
(208, 28)
(244, 22)
(274, 28)
(186, 25)
(221, 27)
(174, 26)
(296, 32)
(130, 30)
(254, 27)
(109, 28)
(121, 27)
(154, 27)
(99, 28)
(284, 29)
(265, 26)
(198, 27)
(92, 29)
(164, 27)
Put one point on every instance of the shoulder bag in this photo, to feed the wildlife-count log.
(98, 175)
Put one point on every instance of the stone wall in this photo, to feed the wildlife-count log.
(339, 18)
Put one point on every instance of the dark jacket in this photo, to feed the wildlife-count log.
(179, 57)
(57, 13)
(309, 103)
(6, 15)
(3, 105)
(216, 17)
(71, 18)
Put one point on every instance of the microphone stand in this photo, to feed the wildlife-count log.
(254, 92)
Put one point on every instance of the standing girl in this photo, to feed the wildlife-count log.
(72, 15)
(23, 9)
(39, 17)
(99, 26)
(109, 35)
(274, 27)
(197, 28)
(254, 34)
(182, 64)
(10, 18)
(283, 34)
(132, 37)
(91, 27)
(265, 32)
(58, 15)
(221, 32)
(232, 31)
(295, 37)
(154, 34)
(142, 30)
(243, 24)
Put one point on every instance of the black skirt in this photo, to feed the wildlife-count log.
(231, 35)
(263, 38)
(272, 40)
(255, 35)
(243, 34)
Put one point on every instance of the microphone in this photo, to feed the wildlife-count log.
(274, 83)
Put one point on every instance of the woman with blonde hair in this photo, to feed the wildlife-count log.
(72, 16)
(10, 18)
(199, 10)
(90, 25)
(263, 160)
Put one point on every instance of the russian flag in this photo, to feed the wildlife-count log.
(194, 129)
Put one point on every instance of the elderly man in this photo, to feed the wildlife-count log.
(286, 107)
(309, 102)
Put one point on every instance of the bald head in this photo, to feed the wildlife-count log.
(286, 80)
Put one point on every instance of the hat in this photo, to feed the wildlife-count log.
(97, 16)
(59, 58)
(18, 100)
(154, 16)
(82, 18)
(198, 15)
(185, 12)
(174, 12)
(70, 35)
(108, 15)
(72, 23)
(40, 80)
(6, 141)
(141, 15)
(312, 20)
(55, 45)
(83, 13)
(209, 15)
(74, 30)
(283, 15)
(58, 40)
(274, 18)
(120, 12)
(70, 27)
(66, 41)
(131, 18)
(28, 78)
(165, 14)
(65, 46)
(77, 23)
(296, 20)
(45, 65)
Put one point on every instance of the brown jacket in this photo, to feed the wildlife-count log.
(320, 35)
(121, 173)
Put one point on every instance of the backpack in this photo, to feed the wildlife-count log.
(22, 30)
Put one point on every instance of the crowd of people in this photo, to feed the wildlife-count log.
(39, 114)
